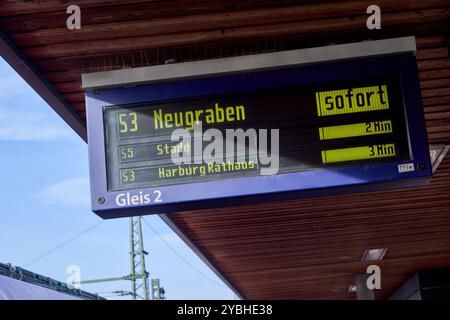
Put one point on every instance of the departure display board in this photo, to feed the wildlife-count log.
(319, 126)
(243, 137)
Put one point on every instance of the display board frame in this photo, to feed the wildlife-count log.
(317, 182)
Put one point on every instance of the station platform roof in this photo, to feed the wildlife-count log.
(298, 249)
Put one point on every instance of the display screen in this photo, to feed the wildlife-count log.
(333, 124)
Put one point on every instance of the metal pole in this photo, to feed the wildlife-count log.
(106, 280)
(132, 259)
(139, 274)
(142, 254)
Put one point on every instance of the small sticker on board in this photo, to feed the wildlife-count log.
(406, 167)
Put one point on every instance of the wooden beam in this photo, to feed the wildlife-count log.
(335, 25)
(17, 7)
(439, 83)
(133, 12)
(294, 28)
(120, 45)
(79, 64)
(434, 64)
(68, 87)
(211, 21)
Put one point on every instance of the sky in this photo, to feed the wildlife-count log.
(46, 224)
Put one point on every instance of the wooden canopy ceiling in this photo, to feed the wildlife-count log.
(301, 249)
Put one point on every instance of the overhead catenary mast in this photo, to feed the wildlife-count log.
(138, 273)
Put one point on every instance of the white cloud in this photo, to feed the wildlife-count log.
(23, 114)
(70, 192)
(31, 126)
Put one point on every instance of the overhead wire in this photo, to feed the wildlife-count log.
(83, 232)
(181, 257)
(60, 245)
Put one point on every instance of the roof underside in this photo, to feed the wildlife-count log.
(282, 250)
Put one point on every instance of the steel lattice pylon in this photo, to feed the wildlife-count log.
(139, 275)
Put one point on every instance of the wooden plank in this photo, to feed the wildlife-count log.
(439, 83)
(441, 108)
(135, 11)
(434, 53)
(66, 87)
(243, 265)
(333, 25)
(434, 74)
(304, 258)
(299, 255)
(441, 137)
(430, 42)
(434, 64)
(344, 206)
(306, 226)
(207, 22)
(316, 239)
(443, 128)
(436, 100)
(310, 274)
(437, 115)
(18, 7)
(311, 246)
(64, 76)
(328, 269)
(306, 28)
(445, 91)
(120, 45)
(77, 64)
(60, 64)
(74, 97)
(312, 208)
(79, 107)
(367, 217)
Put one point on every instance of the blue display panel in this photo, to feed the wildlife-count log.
(343, 127)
